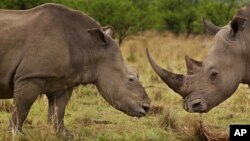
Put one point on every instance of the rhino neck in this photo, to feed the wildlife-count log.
(88, 75)
(86, 66)
(246, 79)
(245, 44)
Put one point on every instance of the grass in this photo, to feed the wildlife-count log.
(90, 118)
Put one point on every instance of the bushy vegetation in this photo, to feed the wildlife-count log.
(185, 16)
(132, 16)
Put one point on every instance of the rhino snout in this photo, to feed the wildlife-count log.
(146, 107)
(142, 110)
(195, 106)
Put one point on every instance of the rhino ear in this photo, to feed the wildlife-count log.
(193, 66)
(109, 30)
(237, 24)
(210, 27)
(98, 36)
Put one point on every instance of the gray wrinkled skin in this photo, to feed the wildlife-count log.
(214, 79)
(49, 50)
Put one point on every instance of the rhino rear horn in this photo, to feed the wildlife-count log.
(193, 66)
(174, 81)
(210, 27)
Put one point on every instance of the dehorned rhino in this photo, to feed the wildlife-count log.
(49, 50)
(214, 79)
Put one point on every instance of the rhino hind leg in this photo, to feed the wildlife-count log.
(25, 93)
(57, 104)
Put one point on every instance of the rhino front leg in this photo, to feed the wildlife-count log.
(57, 105)
(25, 93)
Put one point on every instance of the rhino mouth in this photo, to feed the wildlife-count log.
(139, 114)
(134, 110)
(140, 111)
(195, 106)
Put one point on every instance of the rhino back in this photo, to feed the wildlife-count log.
(47, 42)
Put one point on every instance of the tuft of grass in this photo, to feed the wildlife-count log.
(203, 132)
(5, 105)
(158, 95)
(168, 120)
(156, 110)
(197, 129)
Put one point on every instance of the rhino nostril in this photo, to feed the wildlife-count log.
(196, 105)
(146, 107)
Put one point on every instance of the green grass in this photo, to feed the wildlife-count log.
(90, 118)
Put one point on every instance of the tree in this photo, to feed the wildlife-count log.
(126, 16)
(19, 4)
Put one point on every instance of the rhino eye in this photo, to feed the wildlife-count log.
(131, 79)
(213, 75)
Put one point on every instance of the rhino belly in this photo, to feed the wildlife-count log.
(5, 91)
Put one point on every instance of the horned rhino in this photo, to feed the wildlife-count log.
(214, 79)
(49, 50)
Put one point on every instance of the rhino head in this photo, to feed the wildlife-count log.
(119, 85)
(214, 79)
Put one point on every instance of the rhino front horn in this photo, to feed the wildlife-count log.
(174, 81)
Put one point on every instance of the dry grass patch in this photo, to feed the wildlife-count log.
(156, 110)
(5, 105)
(168, 120)
(203, 132)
